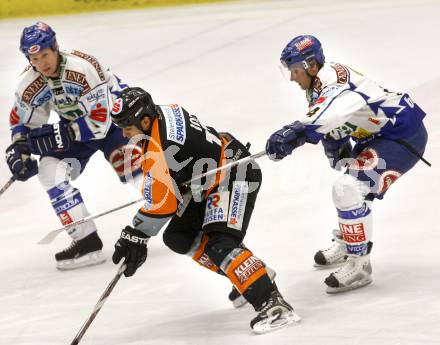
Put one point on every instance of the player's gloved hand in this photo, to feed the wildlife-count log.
(285, 140)
(335, 150)
(50, 138)
(132, 245)
(19, 160)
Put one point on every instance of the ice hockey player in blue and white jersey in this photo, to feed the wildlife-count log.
(81, 92)
(389, 136)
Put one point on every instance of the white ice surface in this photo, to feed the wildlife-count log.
(221, 62)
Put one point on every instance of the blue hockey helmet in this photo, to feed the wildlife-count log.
(302, 49)
(36, 38)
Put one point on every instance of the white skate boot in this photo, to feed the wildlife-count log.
(334, 255)
(355, 273)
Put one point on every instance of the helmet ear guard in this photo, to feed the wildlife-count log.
(132, 105)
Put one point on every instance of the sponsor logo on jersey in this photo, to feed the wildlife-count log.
(175, 121)
(320, 100)
(387, 178)
(33, 89)
(341, 73)
(148, 191)
(247, 268)
(361, 211)
(79, 79)
(99, 113)
(95, 96)
(374, 120)
(92, 60)
(352, 233)
(216, 208)
(366, 160)
(72, 89)
(237, 205)
(304, 44)
(117, 106)
(42, 98)
(14, 119)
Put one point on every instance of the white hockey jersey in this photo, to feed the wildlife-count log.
(83, 96)
(344, 103)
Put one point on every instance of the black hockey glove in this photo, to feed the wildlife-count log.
(132, 245)
(335, 150)
(19, 160)
(50, 138)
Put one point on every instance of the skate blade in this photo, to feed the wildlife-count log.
(354, 286)
(89, 259)
(334, 265)
(268, 325)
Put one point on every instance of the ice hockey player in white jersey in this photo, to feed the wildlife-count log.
(389, 136)
(81, 92)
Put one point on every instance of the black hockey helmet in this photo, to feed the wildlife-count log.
(131, 106)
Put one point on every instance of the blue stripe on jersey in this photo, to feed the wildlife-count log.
(86, 133)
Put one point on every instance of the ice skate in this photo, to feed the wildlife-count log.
(333, 256)
(354, 274)
(85, 252)
(238, 299)
(274, 314)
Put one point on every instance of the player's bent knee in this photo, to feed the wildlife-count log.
(177, 241)
(220, 246)
(348, 192)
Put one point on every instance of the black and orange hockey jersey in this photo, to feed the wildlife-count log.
(177, 148)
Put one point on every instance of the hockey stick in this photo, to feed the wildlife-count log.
(98, 305)
(7, 185)
(227, 166)
(54, 233)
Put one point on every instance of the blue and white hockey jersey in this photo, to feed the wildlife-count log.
(83, 96)
(344, 103)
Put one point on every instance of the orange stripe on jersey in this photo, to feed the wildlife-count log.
(220, 176)
(157, 189)
(245, 270)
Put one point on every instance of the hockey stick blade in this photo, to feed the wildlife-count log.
(7, 185)
(98, 305)
(54, 233)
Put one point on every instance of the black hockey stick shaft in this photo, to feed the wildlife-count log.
(7, 185)
(98, 305)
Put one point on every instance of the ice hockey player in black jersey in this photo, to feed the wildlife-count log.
(208, 219)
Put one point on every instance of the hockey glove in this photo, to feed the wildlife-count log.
(50, 138)
(132, 245)
(335, 150)
(19, 160)
(284, 141)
